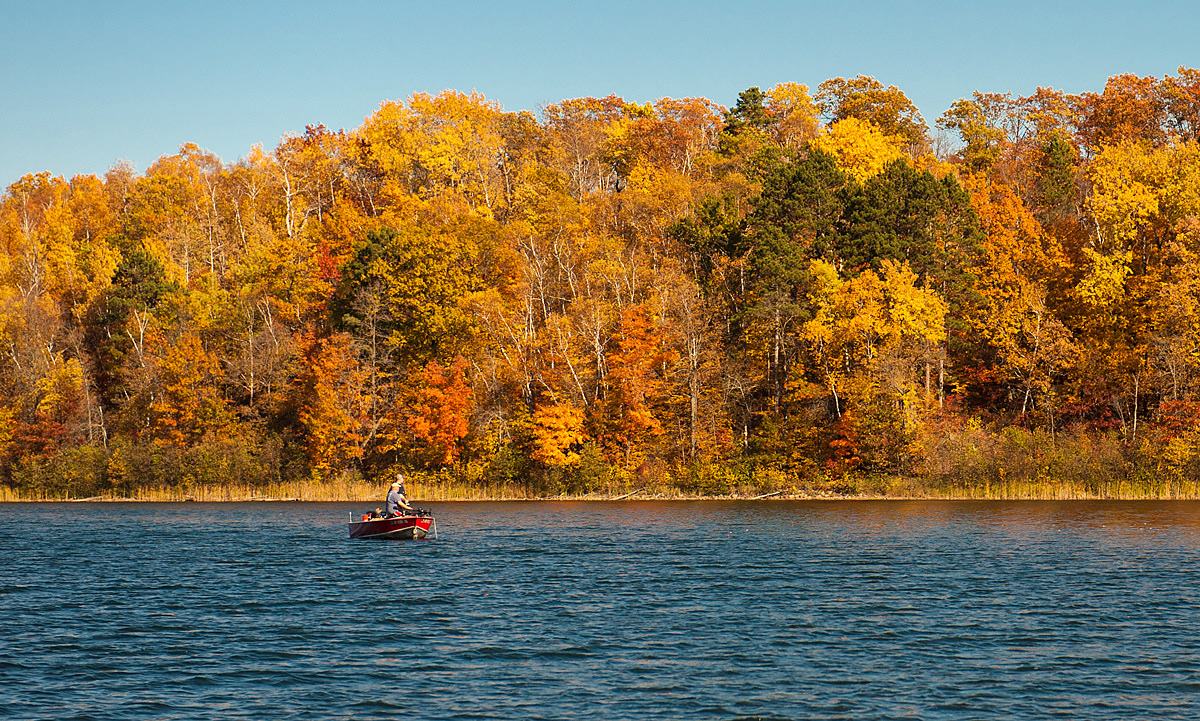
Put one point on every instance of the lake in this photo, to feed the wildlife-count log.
(625, 610)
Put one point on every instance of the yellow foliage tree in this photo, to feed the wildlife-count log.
(1031, 342)
(446, 148)
(859, 322)
(1103, 284)
(861, 149)
(1140, 194)
(795, 114)
(557, 434)
(1175, 325)
(8, 425)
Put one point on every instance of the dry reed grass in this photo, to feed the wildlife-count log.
(333, 490)
(894, 489)
(1043, 491)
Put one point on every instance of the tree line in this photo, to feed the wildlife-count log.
(803, 289)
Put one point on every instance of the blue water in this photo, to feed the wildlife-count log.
(655, 610)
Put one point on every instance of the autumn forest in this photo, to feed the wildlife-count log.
(813, 292)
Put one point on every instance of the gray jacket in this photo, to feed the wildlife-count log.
(392, 507)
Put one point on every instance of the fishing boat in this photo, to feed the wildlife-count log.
(417, 524)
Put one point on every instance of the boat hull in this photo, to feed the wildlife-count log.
(401, 527)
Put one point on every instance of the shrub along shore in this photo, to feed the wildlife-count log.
(975, 464)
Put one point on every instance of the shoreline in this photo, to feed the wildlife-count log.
(434, 491)
(634, 499)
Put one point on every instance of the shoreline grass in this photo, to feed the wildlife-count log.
(899, 489)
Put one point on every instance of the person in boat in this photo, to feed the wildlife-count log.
(397, 501)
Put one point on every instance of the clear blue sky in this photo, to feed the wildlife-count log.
(83, 84)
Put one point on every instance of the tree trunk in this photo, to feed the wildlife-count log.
(777, 395)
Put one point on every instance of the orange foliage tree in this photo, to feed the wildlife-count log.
(443, 410)
(636, 367)
(191, 403)
(333, 408)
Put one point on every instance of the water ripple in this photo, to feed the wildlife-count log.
(600, 611)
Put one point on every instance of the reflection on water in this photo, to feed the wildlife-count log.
(705, 610)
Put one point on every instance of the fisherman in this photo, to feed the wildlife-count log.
(396, 498)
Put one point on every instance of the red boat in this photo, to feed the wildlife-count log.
(407, 526)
